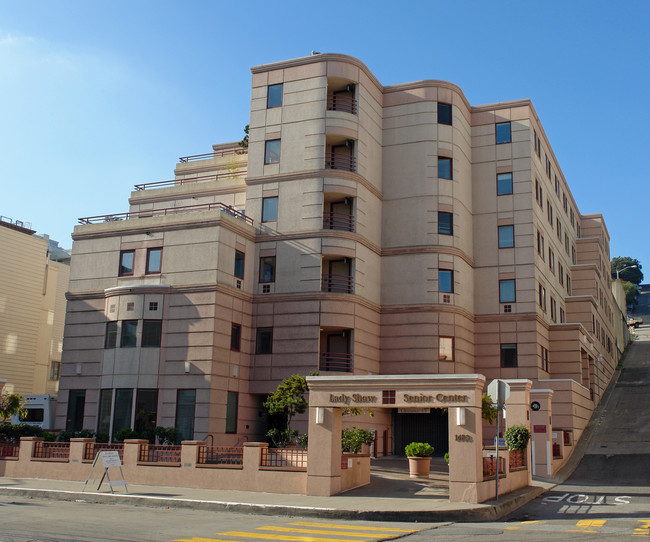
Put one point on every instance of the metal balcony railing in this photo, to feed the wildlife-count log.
(335, 361)
(341, 161)
(167, 211)
(338, 221)
(213, 154)
(347, 104)
(240, 174)
(337, 283)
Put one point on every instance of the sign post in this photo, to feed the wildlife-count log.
(109, 458)
(499, 391)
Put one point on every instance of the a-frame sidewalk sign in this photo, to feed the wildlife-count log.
(109, 458)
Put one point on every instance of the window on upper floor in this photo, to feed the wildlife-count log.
(560, 273)
(267, 269)
(446, 348)
(110, 341)
(507, 291)
(557, 186)
(264, 340)
(274, 96)
(239, 264)
(445, 223)
(270, 209)
(129, 333)
(444, 113)
(553, 310)
(508, 355)
(272, 151)
(551, 260)
(151, 333)
(545, 359)
(539, 193)
(445, 167)
(503, 133)
(154, 260)
(540, 244)
(506, 236)
(562, 316)
(504, 184)
(549, 212)
(235, 337)
(446, 281)
(565, 204)
(558, 228)
(127, 258)
(541, 297)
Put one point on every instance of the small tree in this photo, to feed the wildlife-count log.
(244, 142)
(488, 410)
(631, 292)
(287, 401)
(10, 404)
(352, 438)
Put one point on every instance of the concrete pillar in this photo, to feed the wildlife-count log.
(190, 452)
(465, 451)
(324, 455)
(26, 450)
(132, 451)
(252, 458)
(78, 449)
(518, 413)
(541, 432)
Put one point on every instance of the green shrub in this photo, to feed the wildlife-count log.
(281, 438)
(123, 434)
(65, 436)
(352, 438)
(517, 437)
(166, 435)
(418, 449)
(488, 410)
(10, 432)
(302, 441)
(447, 457)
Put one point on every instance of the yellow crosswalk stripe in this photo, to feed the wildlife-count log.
(356, 527)
(318, 531)
(198, 539)
(642, 528)
(289, 538)
(521, 524)
(585, 526)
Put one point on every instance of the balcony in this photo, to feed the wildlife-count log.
(342, 102)
(337, 283)
(339, 160)
(165, 212)
(230, 175)
(214, 154)
(338, 221)
(335, 361)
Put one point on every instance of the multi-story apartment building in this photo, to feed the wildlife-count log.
(34, 275)
(366, 229)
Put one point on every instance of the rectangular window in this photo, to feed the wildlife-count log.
(235, 337)
(558, 228)
(185, 407)
(129, 329)
(508, 355)
(446, 281)
(153, 306)
(541, 297)
(560, 273)
(553, 309)
(565, 204)
(551, 260)
(272, 151)
(122, 410)
(539, 193)
(446, 223)
(270, 209)
(566, 243)
(104, 415)
(444, 113)
(274, 96)
(146, 411)
(264, 340)
(507, 291)
(444, 168)
(504, 184)
(231, 412)
(503, 132)
(267, 269)
(154, 259)
(239, 264)
(151, 333)
(540, 244)
(126, 262)
(568, 284)
(110, 341)
(545, 359)
(506, 236)
(446, 348)
(562, 316)
(549, 212)
(557, 186)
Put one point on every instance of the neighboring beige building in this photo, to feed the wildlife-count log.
(367, 230)
(33, 281)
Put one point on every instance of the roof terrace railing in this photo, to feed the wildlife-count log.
(213, 154)
(205, 178)
(168, 211)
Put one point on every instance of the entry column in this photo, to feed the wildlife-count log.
(324, 452)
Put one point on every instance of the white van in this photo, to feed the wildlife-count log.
(41, 410)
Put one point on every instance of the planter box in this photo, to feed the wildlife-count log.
(419, 467)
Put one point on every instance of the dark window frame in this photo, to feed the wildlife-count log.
(445, 111)
(451, 281)
(123, 253)
(503, 299)
(235, 337)
(269, 96)
(123, 329)
(499, 184)
(236, 271)
(453, 347)
(501, 139)
(151, 334)
(110, 339)
(264, 345)
(499, 229)
(262, 267)
(148, 271)
(506, 361)
(451, 167)
(269, 153)
(448, 227)
(264, 211)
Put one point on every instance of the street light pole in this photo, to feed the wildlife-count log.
(624, 268)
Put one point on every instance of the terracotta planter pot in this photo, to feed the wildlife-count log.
(419, 467)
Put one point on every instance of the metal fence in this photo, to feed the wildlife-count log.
(9, 449)
(284, 457)
(93, 448)
(220, 455)
(157, 453)
(51, 450)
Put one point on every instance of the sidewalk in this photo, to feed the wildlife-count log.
(390, 496)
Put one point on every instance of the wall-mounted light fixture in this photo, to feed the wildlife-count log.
(187, 367)
(78, 369)
(320, 416)
(460, 416)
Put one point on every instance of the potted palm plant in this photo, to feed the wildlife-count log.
(419, 454)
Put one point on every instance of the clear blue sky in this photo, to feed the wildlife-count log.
(97, 96)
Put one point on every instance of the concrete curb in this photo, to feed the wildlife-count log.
(490, 512)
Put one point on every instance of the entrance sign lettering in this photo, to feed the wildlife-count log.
(354, 398)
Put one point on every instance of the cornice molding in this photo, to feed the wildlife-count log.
(427, 249)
